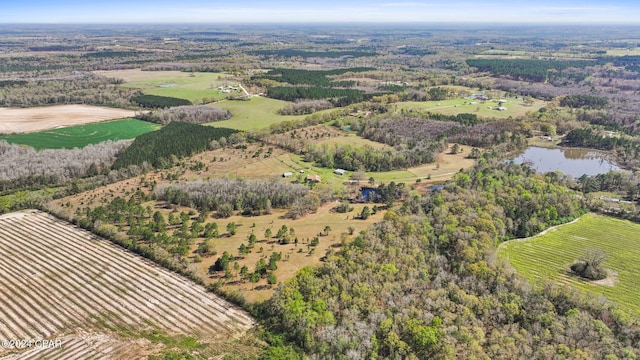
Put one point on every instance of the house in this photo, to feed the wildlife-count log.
(287, 174)
(339, 171)
(314, 178)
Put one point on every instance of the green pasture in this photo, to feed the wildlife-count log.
(623, 52)
(195, 87)
(548, 256)
(483, 109)
(256, 113)
(82, 135)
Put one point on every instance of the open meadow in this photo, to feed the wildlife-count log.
(549, 255)
(19, 120)
(256, 113)
(483, 109)
(82, 135)
(193, 86)
(63, 283)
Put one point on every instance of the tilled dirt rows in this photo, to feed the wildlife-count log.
(19, 120)
(57, 280)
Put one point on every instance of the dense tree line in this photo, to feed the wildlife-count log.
(351, 157)
(464, 118)
(614, 181)
(409, 50)
(112, 54)
(14, 64)
(525, 69)
(587, 137)
(432, 94)
(11, 83)
(23, 166)
(175, 140)
(252, 197)
(75, 89)
(195, 114)
(584, 101)
(627, 151)
(424, 283)
(337, 96)
(155, 101)
(317, 78)
(287, 53)
(305, 107)
(409, 131)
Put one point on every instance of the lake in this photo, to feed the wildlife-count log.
(575, 162)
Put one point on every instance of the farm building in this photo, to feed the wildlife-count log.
(314, 178)
(339, 171)
(287, 174)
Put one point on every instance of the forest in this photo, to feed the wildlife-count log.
(174, 141)
(526, 70)
(195, 114)
(423, 283)
(155, 101)
(288, 53)
(318, 78)
(249, 197)
(24, 167)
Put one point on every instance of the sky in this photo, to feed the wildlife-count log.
(345, 11)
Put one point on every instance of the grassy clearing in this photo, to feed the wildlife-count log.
(623, 52)
(355, 140)
(82, 135)
(549, 256)
(195, 87)
(443, 169)
(515, 107)
(255, 113)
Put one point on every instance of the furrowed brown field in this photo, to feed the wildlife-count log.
(58, 282)
(51, 117)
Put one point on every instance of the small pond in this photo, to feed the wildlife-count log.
(575, 162)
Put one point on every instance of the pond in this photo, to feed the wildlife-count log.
(575, 162)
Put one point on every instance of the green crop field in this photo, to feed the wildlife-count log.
(549, 256)
(82, 135)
